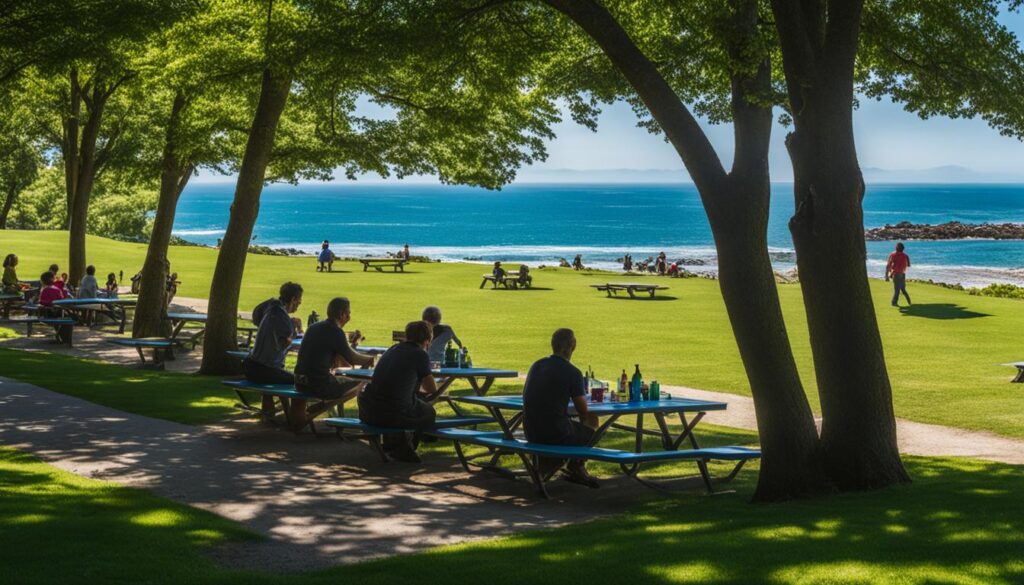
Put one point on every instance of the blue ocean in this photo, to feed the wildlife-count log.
(540, 223)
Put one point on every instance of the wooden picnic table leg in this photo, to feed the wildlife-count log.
(632, 293)
(142, 355)
(1020, 375)
(652, 291)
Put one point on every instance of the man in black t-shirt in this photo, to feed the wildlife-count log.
(325, 347)
(550, 385)
(394, 398)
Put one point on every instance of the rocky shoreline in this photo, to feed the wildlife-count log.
(953, 230)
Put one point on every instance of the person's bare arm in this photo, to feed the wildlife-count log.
(428, 387)
(456, 339)
(586, 417)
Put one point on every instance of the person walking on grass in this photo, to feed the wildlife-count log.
(896, 269)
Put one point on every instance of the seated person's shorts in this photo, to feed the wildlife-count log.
(329, 388)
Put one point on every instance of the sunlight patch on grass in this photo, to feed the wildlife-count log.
(27, 519)
(158, 518)
(691, 572)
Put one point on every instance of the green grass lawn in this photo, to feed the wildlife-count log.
(962, 521)
(943, 355)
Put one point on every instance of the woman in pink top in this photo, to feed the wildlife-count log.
(896, 269)
(50, 292)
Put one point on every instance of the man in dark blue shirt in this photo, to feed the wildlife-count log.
(551, 384)
(395, 396)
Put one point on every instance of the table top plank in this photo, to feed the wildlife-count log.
(515, 402)
(365, 374)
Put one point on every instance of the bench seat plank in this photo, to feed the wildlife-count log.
(355, 424)
(146, 343)
(486, 439)
(283, 390)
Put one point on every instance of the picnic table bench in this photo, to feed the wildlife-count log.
(355, 429)
(510, 280)
(629, 462)
(9, 301)
(611, 412)
(116, 309)
(163, 349)
(378, 264)
(1019, 378)
(613, 288)
(63, 328)
(284, 394)
(194, 336)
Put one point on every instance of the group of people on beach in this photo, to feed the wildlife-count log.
(657, 265)
(402, 388)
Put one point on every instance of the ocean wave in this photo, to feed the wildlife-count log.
(199, 232)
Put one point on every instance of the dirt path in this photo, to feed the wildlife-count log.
(318, 500)
(914, 438)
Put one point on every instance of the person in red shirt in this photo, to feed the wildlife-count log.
(50, 291)
(896, 269)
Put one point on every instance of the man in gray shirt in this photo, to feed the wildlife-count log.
(265, 362)
(442, 334)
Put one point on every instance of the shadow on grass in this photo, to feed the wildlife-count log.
(185, 398)
(961, 521)
(644, 298)
(537, 288)
(941, 311)
(335, 272)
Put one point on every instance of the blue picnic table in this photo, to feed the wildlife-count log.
(116, 308)
(611, 412)
(480, 379)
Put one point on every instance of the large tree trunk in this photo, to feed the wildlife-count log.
(151, 313)
(12, 194)
(69, 148)
(227, 277)
(858, 424)
(79, 214)
(737, 207)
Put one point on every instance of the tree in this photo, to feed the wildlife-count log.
(320, 58)
(20, 158)
(78, 53)
(198, 76)
(950, 58)
(736, 201)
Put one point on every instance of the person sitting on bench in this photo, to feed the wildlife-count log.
(393, 396)
(498, 271)
(442, 334)
(524, 276)
(550, 385)
(11, 284)
(110, 289)
(276, 329)
(49, 293)
(325, 347)
(89, 288)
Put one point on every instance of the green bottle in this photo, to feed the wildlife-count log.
(635, 384)
(655, 391)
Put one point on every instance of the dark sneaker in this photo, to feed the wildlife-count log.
(581, 477)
